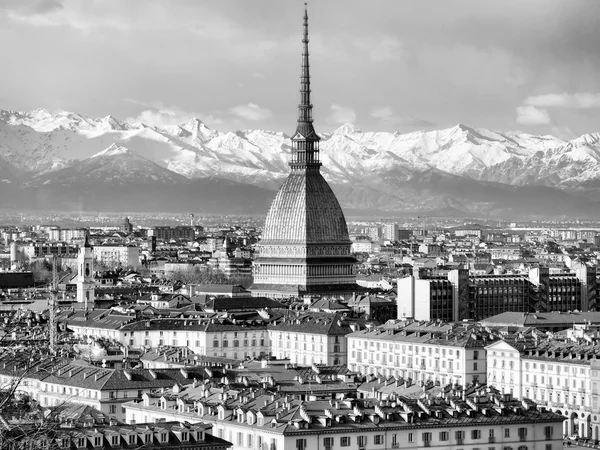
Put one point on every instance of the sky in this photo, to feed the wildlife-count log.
(384, 65)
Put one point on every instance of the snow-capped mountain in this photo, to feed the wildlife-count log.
(477, 170)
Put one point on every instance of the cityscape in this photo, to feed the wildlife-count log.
(164, 284)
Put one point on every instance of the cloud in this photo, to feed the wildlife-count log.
(383, 48)
(386, 114)
(530, 115)
(564, 133)
(251, 111)
(579, 100)
(341, 114)
(31, 7)
(159, 115)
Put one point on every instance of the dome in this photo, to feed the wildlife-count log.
(305, 211)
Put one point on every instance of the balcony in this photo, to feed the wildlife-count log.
(582, 390)
(426, 443)
(491, 439)
(459, 441)
(395, 445)
(522, 438)
(549, 386)
(565, 388)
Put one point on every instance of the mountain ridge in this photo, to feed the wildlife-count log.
(394, 171)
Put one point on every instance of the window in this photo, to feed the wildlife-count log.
(362, 441)
(411, 437)
(507, 432)
(300, 444)
(378, 439)
(328, 442)
(548, 432)
(345, 441)
(548, 446)
(459, 435)
(491, 434)
(444, 436)
(476, 354)
(426, 437)
(249, 441)
(522, 433)
(475, 434)
(113, 409)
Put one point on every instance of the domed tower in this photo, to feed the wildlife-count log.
(305, 247)
(85, 274)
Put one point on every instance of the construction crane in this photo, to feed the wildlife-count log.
(52, 309)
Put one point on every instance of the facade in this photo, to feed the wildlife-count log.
(117, 255)
(36, 250)
(439, 353)
(390, 231)
(456, 295)
(305, 247)
(172, 233)
(201, 336)
(85, 275)
(310, 338)
(270, 422)
(554, 374)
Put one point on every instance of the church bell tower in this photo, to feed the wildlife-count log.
(85, 274)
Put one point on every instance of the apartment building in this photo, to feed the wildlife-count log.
(310, 338)
(555, 374)
(251, 420)
(117, 255)
(54, 383)
(442, 353)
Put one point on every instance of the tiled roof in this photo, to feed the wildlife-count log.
(313, 323)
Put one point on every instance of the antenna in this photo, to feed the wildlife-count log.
(52, 312)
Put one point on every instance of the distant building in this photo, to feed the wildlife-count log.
(126, 227)
(390, 231)
(172, 233)
(117, 255)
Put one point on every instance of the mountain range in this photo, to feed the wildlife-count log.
(68, 161)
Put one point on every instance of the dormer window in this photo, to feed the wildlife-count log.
(184, 436)
(115, 440)
(132, 439)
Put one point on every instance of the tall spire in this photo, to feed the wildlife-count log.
(305, 140)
